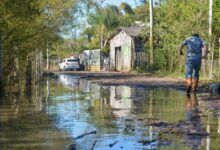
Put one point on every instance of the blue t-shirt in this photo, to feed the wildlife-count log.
(194, 45)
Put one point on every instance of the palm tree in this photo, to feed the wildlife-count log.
(105, 21)
(126, 8)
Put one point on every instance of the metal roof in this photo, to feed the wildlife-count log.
(133, 31)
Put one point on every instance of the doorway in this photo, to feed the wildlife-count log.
(118, 58)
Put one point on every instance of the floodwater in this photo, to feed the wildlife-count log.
(70, 110)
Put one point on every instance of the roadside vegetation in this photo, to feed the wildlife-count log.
(174, 21)
(28, 29)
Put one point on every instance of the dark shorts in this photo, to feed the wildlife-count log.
(193, 68)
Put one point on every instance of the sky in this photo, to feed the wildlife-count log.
(133, 3)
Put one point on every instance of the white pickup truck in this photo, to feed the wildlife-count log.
(69, 64)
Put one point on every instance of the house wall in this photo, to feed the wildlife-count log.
(125, 42)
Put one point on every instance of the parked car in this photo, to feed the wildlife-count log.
(69, 64)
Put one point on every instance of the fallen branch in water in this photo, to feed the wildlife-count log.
(145, 142)
(154, 122)
(111, 145)
(72, 147)
(199, 134)
(81, 136)
(93, 145)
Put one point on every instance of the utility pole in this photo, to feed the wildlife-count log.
(210, 33)
(151, 33)
(151, 12)
(210, 18)
(101, 28)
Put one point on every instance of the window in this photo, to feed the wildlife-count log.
(72, 60)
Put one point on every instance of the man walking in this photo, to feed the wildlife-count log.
(196, 50)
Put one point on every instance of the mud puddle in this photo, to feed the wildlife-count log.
(73, 111)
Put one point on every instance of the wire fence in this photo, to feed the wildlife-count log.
(210, 69)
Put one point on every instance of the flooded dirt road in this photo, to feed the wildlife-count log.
(71, 110)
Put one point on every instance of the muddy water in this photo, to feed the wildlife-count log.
(69, 110)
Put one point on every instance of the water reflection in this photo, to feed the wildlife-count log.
(26, 125)
(69, 81)
(67, 107)
(120, 100)
(219, 125)
(194, 119)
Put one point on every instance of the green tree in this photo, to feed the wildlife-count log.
(26, 28)
(174, 21)
(105, 21)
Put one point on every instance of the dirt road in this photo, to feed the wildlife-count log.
(132, 79)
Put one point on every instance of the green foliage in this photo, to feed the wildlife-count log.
(104, 22)
(127, 8)
(174, 21)
(142, 13)
(216, 20)
(27, 26)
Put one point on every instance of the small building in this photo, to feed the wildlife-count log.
(92, 60)
(127, 49)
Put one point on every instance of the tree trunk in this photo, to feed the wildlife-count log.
(17, 78)
(101, 38)
(204, 67)
(48, 58)
(219, 54)
(28, 78)
(1, 67)
(29, 72)
(106, 40)
(41, 65)
(171, 63)
(212, 62)
(39, 71)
